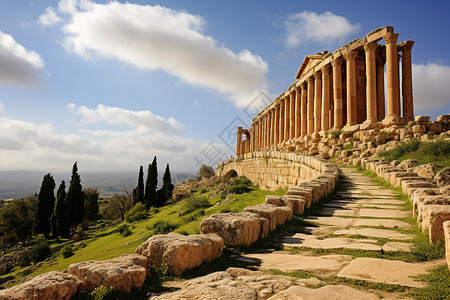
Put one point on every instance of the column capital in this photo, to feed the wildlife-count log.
(240, 130)
(406, 46)
(370, 46)
(297, 89)
(390, 38)
(303, 85)
(310, 79)
(325, 68)
(318, 75)
(337, 62)
(351, 55)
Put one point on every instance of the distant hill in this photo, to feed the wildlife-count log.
(19, 184)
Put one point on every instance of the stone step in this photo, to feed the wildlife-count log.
(355, 222)
(375, 232)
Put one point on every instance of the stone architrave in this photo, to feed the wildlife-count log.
(298, 115)
(304, 109)
(380, 82)
(286, 118)
(337, 93)
(310, 112)
(281, 132)
(392, 86)
(371, 83)
(325, 97)
(407, 89)
(351, 87)
(277, 124)
(317, 101)
(239, 141)
(292, 115)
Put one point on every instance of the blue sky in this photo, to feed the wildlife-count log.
(110, 84)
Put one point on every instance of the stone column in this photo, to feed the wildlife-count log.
(286, 118)
(310, 112)
(380, 83)
(407, 89)
(392, 88)
(239, 141)
(351, 87)
(266, 130)
(292, 114)
(325, 125)
(281, 132)
(304, 109)
(247, 141)
(252, 138)
(371, 83)
(272, 126)
(317, 101)
(298, 115)
(277, 125)
(337, 93)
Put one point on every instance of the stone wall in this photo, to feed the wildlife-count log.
(272, 170)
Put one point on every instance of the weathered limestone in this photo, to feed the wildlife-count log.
(446, 226)
(181, 252)
(236, 229)
(295, 203)
(121, 273)
(275, 215)
(51, 285)
(433, 217)
(443, 177)
(326, 292)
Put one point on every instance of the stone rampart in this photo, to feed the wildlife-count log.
(272, 169)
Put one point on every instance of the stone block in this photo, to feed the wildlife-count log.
(295, 203)
(121, 273)
(408, 186)
(426, 171)
(446, 227)
(434, 216)
(422, 119)
(442, 178)
(181, 252)
(428, 200)
(51, 285)
(306, 193)
(275, 200)
(275, 215)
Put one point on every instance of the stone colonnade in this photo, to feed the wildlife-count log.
(336, 91)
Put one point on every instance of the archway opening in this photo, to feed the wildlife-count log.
(230, 174)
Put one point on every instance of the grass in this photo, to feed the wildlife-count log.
(437, 151)
(438, 280)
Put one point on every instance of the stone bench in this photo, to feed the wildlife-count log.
(50, 285)
(433, 217)
(295, 203)
(236, 229)
(121, 273)
(181, 252)
(275, 215)
(306, 193)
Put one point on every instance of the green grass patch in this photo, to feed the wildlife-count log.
(301, 274)
(438, 280)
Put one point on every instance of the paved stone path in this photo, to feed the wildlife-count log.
(365, 216)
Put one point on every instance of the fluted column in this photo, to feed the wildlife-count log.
(277, 125)
(337, 93)
(272, 126)
(266, 130)
(317, 101)
(407, 88)
(380, 83)
(281, 132)
(371, 83)
(252, 137)
(392, 87)
(286, 118)
(298, 115)
(292, 114)
(351, 87)
(238, 141)
(325, 125)
(310, 112)
(304, 109)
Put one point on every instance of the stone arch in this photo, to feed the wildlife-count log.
(230, 174)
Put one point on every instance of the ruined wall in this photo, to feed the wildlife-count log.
(272, 170)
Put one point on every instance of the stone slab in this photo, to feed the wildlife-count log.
(383, 213)
(379, 201)
(354, 222)
(329, 292)
(300, 240)
(374, 232)
(329, 211)
(387, 271)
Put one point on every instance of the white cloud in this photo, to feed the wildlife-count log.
(49, 17)
(431, 84)
(18, 65)
(144, 120)
(324, 28)
(156, 37)
(1, 107)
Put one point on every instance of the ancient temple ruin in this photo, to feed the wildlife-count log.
(344, 90)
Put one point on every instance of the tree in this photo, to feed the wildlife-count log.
(91, 207)
(17, 220)
(140, 187)
(205, 172)
(73, 207)
(165, 193)
(117, 206)
(151, 184)
(46, 204)
(57, 220)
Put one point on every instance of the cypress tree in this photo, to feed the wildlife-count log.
(140, 187)
(165, 193)
(46, 204)
(57, 220)
(151, 184)
(73, 212)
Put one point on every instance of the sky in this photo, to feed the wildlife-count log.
(110, 84)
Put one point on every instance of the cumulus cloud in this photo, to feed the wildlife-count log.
(324, 28)
(156, 37)
(431, 86)
(18, 65)
(1, 107)
(49, 17)
(143, 120)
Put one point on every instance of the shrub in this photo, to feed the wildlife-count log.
(40, 252)
(162, 227)
(241, 180)
(195, 203)
(67, 251)
(240, 189)
(125, 230)
(138, 212)
(203, 190)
